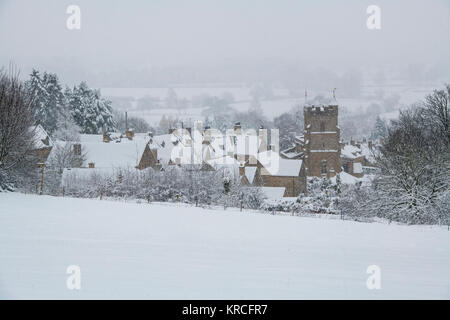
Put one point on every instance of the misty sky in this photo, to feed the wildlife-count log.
(131, 34)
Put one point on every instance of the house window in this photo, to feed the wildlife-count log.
(322, 126)
(323, 167)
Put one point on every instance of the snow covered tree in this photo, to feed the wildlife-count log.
(63, 157)
(50, 99)
(289, 124)
(171, 98)
(67, 130)
(139, 125)
(90, 111)
(437, 106)
(415, 169)
(380, 130)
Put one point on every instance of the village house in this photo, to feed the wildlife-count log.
(42, 143)
(275, 171)
(358, 158)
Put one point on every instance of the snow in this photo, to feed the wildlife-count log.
(115, 154)
(273, 193)
(357, 167)
(40, 137)
(156, 251)
(346, 178)
(223, 161)
(351, 152)
(85, 173)
(326, 150)
(277, 166)
(250, 173)
(291, 154)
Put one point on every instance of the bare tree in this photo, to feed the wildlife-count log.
(16, 120)
(63, 156)
(437, 106)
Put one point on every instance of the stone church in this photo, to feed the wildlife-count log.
(319, 146)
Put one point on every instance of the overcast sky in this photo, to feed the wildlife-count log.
(123, 34)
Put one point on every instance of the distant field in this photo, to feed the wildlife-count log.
(271, 108)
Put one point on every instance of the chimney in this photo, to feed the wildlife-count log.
(106, 137)
(126, 121)
(352, 142)
(241, 170)
(262, 137)
(237, 128)
(370, 144)
(207, 137)
(91, 165)
(129, 134)
(77, 149)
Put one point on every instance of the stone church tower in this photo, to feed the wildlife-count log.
(322, 152)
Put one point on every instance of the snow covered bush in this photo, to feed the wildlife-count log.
(173, 184)
(323, 197)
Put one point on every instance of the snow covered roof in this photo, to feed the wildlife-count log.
(41, 137)
(164, 145)
(250, 173)
(346, 178)
(221, 161)
(273, 193)
(368, 153)
(276, 166)
(351, 152)
(291, 154)
(117, 153)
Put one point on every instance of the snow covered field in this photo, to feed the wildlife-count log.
(132, 250)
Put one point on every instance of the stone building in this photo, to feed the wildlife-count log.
(321, 149)
(273, 171)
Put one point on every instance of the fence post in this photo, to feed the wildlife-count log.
(241, 206)
(101, 194)
(42, 165)
(63, 192)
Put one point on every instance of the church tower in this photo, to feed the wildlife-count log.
(322, 152)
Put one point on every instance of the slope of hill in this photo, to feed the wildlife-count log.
(140, 250)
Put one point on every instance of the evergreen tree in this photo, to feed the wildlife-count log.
(50, 100)
(380, 130)
(90, 111)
